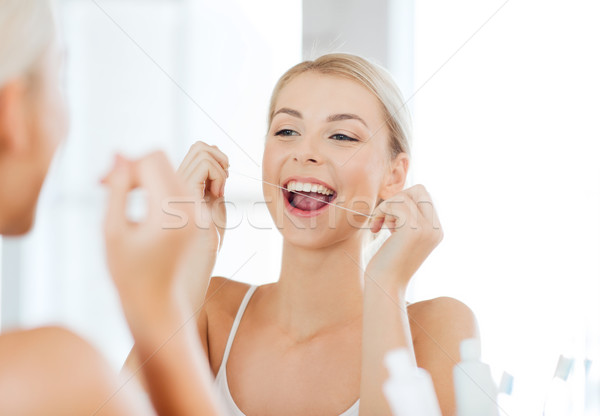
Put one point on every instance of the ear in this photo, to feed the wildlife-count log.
(395, 176)
(13, 117)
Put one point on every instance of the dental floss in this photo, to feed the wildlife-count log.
(296, 192)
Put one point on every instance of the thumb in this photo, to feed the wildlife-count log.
(119, 182)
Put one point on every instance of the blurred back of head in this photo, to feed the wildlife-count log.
(26, 30)
(27, 73)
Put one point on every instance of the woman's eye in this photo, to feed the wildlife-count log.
(343, 137)
(287, 132)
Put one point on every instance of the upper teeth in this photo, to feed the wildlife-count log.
(308, 187)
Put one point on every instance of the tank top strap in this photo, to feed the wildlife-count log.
(236, 324)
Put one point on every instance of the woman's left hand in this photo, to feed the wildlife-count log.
(416, 231)
(145, 258)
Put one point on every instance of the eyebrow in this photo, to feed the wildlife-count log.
(330, 119)
(339, 117)
(285, 110)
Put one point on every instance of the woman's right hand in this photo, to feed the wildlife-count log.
(204, 169)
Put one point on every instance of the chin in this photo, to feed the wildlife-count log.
(313, 239)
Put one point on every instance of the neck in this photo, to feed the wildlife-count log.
(319, 289)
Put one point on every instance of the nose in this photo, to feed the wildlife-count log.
(305, 158)
(307, 151)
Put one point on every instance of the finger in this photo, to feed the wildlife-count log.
(388, 208)
(191, 169)
(424, 202)
(191, 155)
(419, 195)
(119, 182)
(216, 179)
(396, 212)
(211, 174)
(376, 224)
(197, 149)
(155, 175)
(377, 218)
(220, 157)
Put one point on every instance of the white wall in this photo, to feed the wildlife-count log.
(354, 26)
(507, 143)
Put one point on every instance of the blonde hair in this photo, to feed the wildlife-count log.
(26, 30)
(373, 77)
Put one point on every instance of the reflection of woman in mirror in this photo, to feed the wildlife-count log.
(314, 341)
(50, 371)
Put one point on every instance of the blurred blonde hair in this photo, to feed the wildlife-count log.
(26, 30)
(368, 74)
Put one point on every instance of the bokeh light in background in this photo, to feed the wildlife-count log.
(504, 102)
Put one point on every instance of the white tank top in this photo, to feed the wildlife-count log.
(221, 380)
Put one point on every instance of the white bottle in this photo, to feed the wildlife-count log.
(409, 390)
(475, 390)
(592, 367)
(592, 388)
(505, 404)
(559, 398)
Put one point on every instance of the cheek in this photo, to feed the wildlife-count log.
(365, 175)
(50, 123)
(273, 158)
(271, 169)
(53, 108)
(364, 178)
(58, 121)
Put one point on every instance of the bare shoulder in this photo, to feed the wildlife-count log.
(224, 295)
(442, 314)
(440, 324)
(223, 298)
(44, 352)
(58, 340)
(63, 372)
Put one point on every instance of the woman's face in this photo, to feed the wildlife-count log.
(37, 128)
(328, 138)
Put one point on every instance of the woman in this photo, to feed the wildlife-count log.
(314, 341)
(50, 371)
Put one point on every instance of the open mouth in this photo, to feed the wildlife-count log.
(308, 197)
